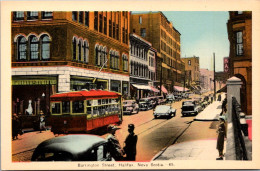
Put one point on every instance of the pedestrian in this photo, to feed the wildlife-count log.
(15, 126)
(113, 144)
(221, 137)
(219, 97)
(224, 105)
(130, 144)
(42, 121)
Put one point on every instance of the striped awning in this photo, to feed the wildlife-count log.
(178, 88)
(155, 89)
(142, 87)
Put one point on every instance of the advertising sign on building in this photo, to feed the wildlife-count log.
(226, 64)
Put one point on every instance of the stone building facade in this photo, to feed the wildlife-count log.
(55, 52)
(192, 66)
(239, 28)
(155, 28)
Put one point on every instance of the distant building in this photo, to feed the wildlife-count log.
(192, 68)
(155, 28)
(239, 28)
(142, 66)
(56, 51)
(206, 79)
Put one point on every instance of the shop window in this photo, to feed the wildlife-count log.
(45, 47)
(47, 15)
(34, 55)
(22, 48)
(18, 15)
(78, 106)
(239, 43)
(32, 15)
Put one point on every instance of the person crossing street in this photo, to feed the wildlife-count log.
(130, 144)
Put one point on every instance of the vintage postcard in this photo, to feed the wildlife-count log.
(114, 85)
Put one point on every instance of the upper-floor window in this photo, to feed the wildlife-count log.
(32, 15)
(45, 48)
(87, 19)
(114, 60)
(140, 20)
(239, 43)
(79, 50)
(189, 62)
(240, 12)
(34, 55)
(18, 15)
(81, 17)
(47, 14)
(74, 15)
(143, 32)
(125, 62)
(86, 52)
(74, 48)
(96, 20)
(21, 44)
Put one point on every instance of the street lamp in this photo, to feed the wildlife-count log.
(43, 97)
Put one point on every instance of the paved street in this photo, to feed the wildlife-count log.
(154, 135)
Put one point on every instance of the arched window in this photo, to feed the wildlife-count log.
(117, 61)
(105, 56)
(74, 46)
(102, 56)
(125, 63)
(98, 55)
(45, 47)
(79, 50)
(111, 58)
(86, 51)
(34, 51)
(21, 44)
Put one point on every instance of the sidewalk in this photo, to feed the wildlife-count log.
(210, 113)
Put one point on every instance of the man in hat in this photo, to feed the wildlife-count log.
(113, 143)
(130, 144)
(224, 105)
(42, 121)
(221, 137)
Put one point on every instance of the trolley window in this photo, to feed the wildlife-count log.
(56, 108)
(78, 107)
(66, 107)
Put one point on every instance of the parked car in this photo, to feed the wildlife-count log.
(189, 107)
(164, 110)
(161, 100)
(73, 148)
(145, 104)
(130, 106)
(154, 101)
(170, 98)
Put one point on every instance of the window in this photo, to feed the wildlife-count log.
(81, 17)
(105, 56)
(105, 25)
(110, 28)
(239, 43)
(34, 55)
(96, 20)
(112, 56)
(140, 19)
(114, 30)
(79, 50)
(21, 48)
(125, 63)
(100, 23)
(117, 61)
(86, 52)
(87, 19)
(189, 62)
(74, 15)
(45, 48)
(18, 15)
(240, 12)
(66, 107)
(74, 46)
(56, 108)
(117, 32)
(47, 15)
(32, 15)
(143, 32)
(78, 106)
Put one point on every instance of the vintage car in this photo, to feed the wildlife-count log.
(130, 106)
(145, 104)
(170, 98)
(73, 148)
(164, 111)
(189, 108)
(161, 100)
(154, 101)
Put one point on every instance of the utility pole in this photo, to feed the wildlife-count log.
(184, 80)
(214, 79)
(161, 80)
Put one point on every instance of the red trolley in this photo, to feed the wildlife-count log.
(82, 111)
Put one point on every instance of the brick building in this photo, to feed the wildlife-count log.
(155, 28)
(63, 51)
(239, 28)
(192, 68)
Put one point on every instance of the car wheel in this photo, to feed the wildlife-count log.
(137, 111)
(155, 117)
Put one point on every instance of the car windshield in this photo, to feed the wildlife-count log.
(143, 100)
(162, 109)
(188, 103)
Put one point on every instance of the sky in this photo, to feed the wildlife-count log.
(202, 34)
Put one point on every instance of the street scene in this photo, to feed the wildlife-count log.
(131, 86)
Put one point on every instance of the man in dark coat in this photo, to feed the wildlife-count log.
(130, 144)
(221, 137)
(224, 105)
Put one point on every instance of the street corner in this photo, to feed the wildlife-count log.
(191, 150)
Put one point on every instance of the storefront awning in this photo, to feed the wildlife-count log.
(142, 87)
(155, 89)
(223, 89)
(178, 88)
(164, 90)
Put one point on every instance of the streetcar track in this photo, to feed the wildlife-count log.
(24, 151)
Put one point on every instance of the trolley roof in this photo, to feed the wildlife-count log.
(84, 94)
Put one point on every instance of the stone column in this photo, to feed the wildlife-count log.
(64, 82)
(233, 90)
